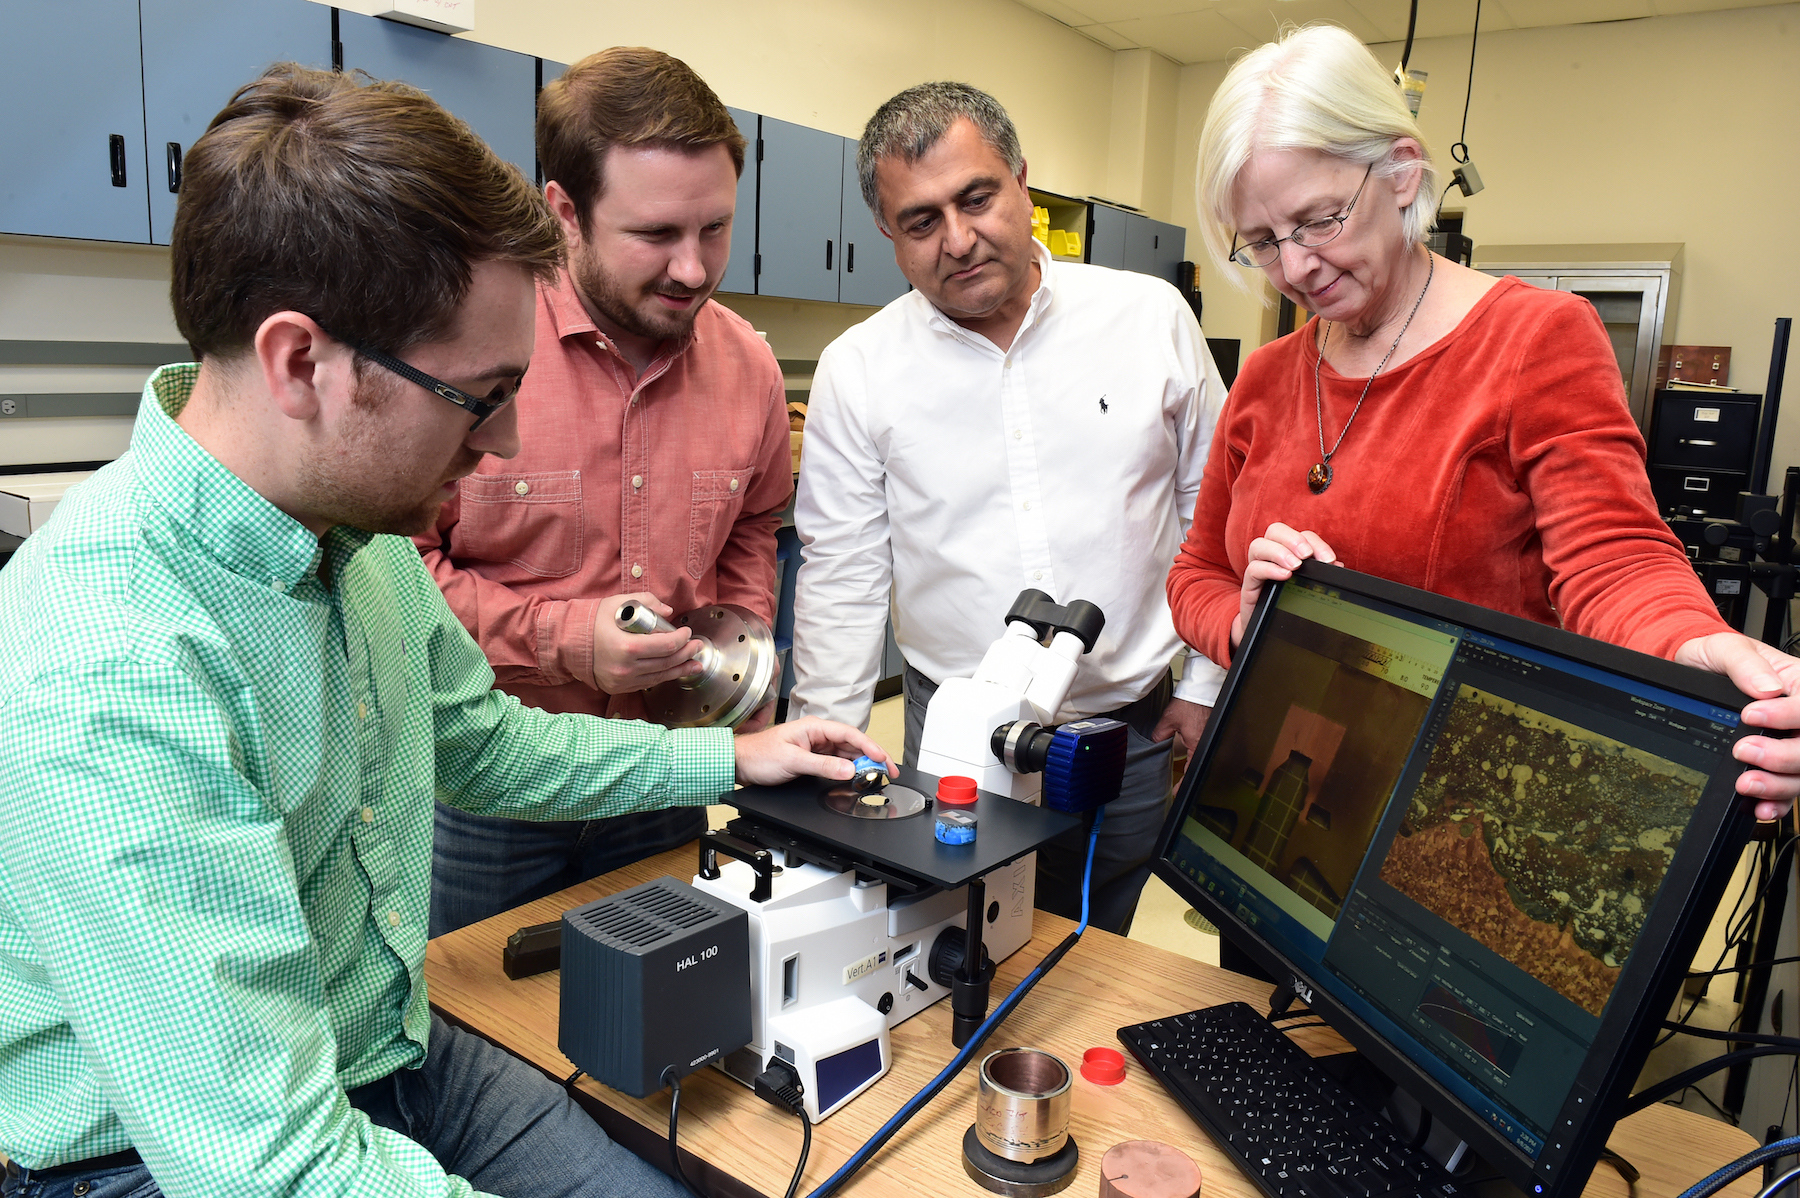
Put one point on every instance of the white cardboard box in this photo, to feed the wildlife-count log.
(26, 500)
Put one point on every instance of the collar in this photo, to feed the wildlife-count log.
(570, 318)
(236, 526)
(1034, 312)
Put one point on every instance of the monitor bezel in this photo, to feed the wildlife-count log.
(1700, 871)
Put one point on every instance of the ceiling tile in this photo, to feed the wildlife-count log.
(1670, 7)
(1529, 14)
(1436, 20)
(1187, 37)
(1110, 38)
(1111, 12)
(1263, 21)
(1066, 13)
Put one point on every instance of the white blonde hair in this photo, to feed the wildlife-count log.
(1315, 88)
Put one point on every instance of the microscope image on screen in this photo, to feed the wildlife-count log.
(1304, 770)
(1544, 841)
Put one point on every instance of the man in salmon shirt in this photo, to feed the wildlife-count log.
(654, 467)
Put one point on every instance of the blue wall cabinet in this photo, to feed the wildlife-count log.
(548, 72)
(197, 53)
(1106, 236)
(740, 272)
(797, 216)
(870, 275)
(552, 70)
(1153, 247)
(494, 90)
(72, 134)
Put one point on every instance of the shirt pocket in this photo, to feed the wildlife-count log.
(532, 521)
(718, 498)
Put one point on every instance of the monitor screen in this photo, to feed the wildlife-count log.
(1454, 839)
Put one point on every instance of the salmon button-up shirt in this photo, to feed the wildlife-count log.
(672, 482)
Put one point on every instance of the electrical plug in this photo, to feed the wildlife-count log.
(780, 1086)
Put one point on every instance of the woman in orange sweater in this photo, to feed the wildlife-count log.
(1431, 424)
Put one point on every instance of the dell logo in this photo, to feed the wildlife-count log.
(1303, 990)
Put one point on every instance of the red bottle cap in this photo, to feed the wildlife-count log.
(1103, 1066)
(956, 790)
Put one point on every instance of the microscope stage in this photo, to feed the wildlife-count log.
(1006, 829)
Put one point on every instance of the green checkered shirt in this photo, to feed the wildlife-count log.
(220, 740)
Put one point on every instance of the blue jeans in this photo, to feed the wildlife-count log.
(482, 865)
(1127, 835)
(486, 1116)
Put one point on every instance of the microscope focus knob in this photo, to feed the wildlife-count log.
(1716, 532)
(947, 956)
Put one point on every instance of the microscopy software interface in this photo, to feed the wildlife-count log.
(1460, 836)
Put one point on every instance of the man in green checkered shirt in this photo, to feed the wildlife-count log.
(230, 696)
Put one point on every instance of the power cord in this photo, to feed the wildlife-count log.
(674, 1083)
(1460, 149)
(779, 1085)
(913, 1105)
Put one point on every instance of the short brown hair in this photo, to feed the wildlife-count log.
(359, 203)
(625, 96)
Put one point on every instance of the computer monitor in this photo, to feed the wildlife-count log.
(1482, 849)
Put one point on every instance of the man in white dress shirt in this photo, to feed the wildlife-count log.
(1012, 422)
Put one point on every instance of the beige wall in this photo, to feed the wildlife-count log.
(1663, 129)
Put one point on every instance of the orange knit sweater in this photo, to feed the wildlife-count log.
(1500, 466)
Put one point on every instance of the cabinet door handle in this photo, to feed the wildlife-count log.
(174, 168)
(116, 147)
(849, 257)
(828, 253)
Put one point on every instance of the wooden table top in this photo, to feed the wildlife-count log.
(1104, 983)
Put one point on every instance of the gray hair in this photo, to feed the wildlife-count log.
(1315, 88)
(908, 125)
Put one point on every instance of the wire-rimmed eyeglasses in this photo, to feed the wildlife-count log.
(1312, 233)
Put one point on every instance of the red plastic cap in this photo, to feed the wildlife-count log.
(956, 790)
(1103, 1066)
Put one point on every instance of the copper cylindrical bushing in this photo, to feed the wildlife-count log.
(1148, 1169)
(1022, 1111)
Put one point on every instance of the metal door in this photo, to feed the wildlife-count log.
(72, 137)
(801, 193)
(870, 275)
(1106, 236)
(1627, 305)
(494, 90)
(740, 271)
(1140, 244)
(1169, 248)
(197, 53)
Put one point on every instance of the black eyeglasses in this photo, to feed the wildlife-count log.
(482, 408)
(1312, 233)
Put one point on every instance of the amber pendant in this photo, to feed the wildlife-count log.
(1319, 477)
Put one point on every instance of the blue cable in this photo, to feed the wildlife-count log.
(1718, 1179)
(912, 1105)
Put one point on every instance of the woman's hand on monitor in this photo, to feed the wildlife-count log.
(1275, 556)
(1772, 679)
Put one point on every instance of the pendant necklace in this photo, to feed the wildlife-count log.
(1319, 477)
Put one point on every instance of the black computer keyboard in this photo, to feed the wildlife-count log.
(1295, 1129)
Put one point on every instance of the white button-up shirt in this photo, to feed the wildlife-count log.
(960, 474)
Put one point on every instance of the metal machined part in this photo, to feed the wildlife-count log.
(738, 665)
(1022, 1107)
(890, 802)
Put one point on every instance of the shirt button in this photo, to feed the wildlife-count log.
(1028, 505)
(522, 487)
(362, 711)
(1038, 575)
(1009, 364)
(1018, 434)
(637, 571)
(393, 919)
(734, 484)
(278, 586)
(368, 814)
(637, 480)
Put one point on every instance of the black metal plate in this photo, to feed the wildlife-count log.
(1007, 829)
